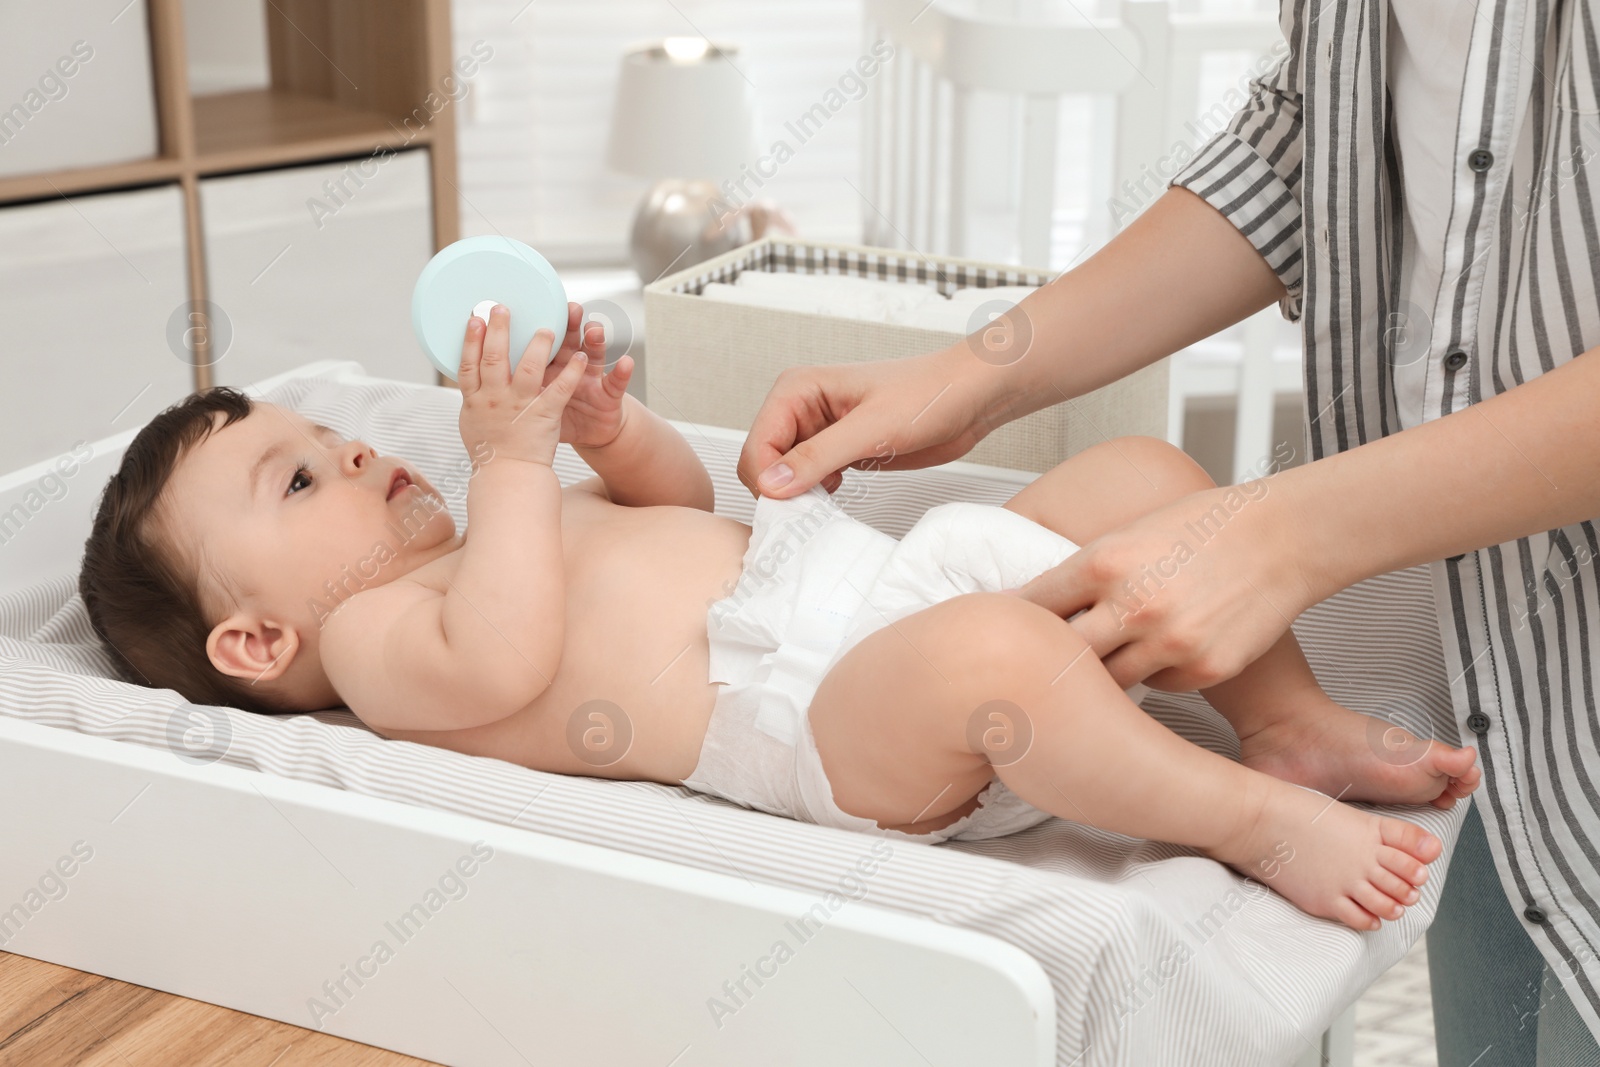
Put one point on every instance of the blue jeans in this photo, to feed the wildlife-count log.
(1495, 1003)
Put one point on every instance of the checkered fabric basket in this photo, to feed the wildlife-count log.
(713, 362)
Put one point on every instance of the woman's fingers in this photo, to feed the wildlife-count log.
(471, 352)
(797, 441)
(802, 403)
(1065, 589)
(893, 414)
(1131, 664)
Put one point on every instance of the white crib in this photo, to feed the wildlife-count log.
(934, 169)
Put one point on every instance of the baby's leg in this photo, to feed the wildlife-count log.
(900, 726)
(1287, 725)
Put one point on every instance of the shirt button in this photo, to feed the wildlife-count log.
(1535, 914)
(1478, 722)
(1480, 160)
(1455, 360)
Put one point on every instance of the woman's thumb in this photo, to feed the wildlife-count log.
(811, 460)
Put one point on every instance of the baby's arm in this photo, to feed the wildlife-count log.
(649, 463)
(406, 657)
(639, 457)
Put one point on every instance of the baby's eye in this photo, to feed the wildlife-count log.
(301, 480)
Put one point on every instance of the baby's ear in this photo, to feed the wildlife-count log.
(249, 647)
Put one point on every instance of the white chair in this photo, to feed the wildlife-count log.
(1144, 67)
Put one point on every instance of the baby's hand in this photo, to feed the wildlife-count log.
(512, 412)
(594, 416)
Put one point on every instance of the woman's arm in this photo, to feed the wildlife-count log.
(1518, 463)
(1186, 596)
(1219, 244)
(1176, 275)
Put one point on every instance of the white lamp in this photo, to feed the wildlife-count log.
(685, 116)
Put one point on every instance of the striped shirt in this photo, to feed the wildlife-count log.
(1431, 212)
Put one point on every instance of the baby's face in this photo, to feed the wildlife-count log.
(280, 507)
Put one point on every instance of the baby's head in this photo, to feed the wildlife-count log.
(231, 532)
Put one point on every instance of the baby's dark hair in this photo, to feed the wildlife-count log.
(143, 600)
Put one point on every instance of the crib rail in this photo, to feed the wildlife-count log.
(916, 145)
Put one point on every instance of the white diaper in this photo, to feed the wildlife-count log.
(814, 583)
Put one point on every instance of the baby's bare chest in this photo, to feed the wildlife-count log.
(634, 656)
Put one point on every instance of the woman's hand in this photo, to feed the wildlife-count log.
(1190, 594)
(890, 414)
(594, 416)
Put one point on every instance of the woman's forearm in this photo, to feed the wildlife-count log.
(1179, 273)
(1517, 463)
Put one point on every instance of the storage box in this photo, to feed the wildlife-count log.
(75, 86)
(714, 362)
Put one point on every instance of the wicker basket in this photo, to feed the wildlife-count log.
(714, 362)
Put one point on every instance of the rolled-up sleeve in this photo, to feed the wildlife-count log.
(1250, 172)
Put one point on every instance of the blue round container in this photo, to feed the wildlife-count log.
(475, 270)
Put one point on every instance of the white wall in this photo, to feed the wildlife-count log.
(534, 129)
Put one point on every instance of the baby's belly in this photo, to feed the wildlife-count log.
(630, 698)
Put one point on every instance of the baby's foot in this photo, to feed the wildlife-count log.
(1358, 757)
(1332, 860)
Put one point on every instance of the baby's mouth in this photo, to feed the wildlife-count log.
(398, 484)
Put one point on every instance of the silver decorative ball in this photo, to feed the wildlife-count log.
(682, 222)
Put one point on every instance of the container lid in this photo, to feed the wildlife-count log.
(486, 270)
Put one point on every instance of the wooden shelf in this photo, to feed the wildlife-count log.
(238, 131)
(269, 127)
(23, 187)
(347, 78)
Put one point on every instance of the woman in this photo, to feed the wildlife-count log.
(1414, 184)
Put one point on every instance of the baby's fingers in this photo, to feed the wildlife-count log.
(471, 352)
(560, 390)
(552, 399)
(492, 367)
(535, 358)
(616, 382)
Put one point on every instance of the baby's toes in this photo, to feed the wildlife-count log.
(1411, 838)
(1394, 886)
(1451, 762)
(1445, 800)
(1457, 789)
(1354, 915)
(1376, 901)
(1403, 865)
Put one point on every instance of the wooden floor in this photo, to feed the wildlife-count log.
(52, 1016)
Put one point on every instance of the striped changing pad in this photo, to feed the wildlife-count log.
(1156, 955)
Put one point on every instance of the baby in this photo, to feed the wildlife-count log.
(807, 665)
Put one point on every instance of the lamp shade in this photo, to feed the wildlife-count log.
(683, 110)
